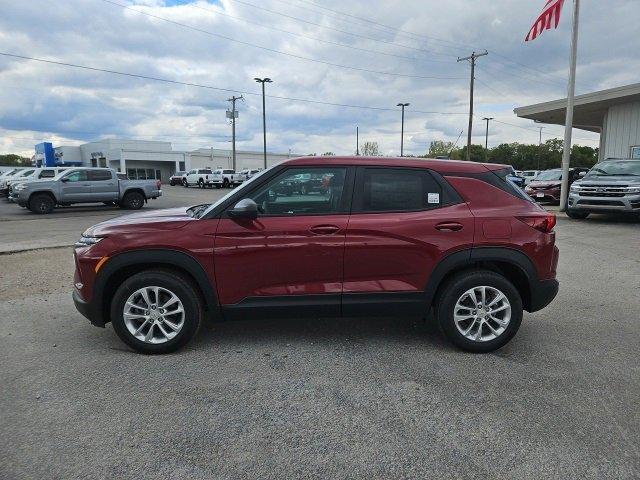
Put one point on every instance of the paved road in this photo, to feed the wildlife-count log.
(325, 398)
(28, 231)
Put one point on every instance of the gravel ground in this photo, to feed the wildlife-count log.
(329, 398)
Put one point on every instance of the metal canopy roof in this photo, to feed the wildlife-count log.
(589, 111)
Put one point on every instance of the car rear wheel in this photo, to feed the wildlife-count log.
(41, 204)
(156, 311)
(479, 311)
(132, 201)
(576, 214)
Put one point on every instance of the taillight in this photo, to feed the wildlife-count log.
(158, 184)
(544, 223)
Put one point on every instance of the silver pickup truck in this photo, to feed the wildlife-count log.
(611, 186)
(85, 185)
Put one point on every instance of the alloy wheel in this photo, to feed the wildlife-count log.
(153, 314)
(482, 313)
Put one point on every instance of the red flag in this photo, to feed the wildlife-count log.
(550, 14)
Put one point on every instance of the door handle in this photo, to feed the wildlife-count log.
(324, 229)
(449, 226)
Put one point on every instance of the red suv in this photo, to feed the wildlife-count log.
(388, 236)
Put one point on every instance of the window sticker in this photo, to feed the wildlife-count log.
(433, 198)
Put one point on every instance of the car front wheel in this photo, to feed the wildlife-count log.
(41, 203)
(479, 311)
(156, 311)
(185, 184)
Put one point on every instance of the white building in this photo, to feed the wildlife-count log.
(142, 159)
(614, 113)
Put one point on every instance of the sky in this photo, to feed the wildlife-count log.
(371, 54)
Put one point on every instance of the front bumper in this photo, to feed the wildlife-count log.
(544, 195)
(87, 310)
(543, 293)
(622, 204)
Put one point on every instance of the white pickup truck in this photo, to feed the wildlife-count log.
(220, 178)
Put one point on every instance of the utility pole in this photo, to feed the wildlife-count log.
(402, 128)
(486, 136)
(264, 118)
(233, 114)
(472, 58)
(568, 124)
(357, 142)
(539, 147)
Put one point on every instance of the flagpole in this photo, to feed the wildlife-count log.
(568, 124)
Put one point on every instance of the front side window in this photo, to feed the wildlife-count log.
(289, 194)
(77, 176)
(397, 189)
(635, 152)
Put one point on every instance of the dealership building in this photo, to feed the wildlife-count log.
(613, 113)
(148, 159)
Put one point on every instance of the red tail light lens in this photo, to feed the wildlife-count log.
(158, 184)
(543, 223)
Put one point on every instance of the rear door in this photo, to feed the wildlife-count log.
(292, 254)
(75, 187)
(104, 187)
(403, 222)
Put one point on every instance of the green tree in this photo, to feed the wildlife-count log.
(14, 160)
(439, 148)
(370, 149)
(328, 154)
(478, 153)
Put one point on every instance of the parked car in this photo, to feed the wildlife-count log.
(515, 178)
(546, 187)
(227, 178)
(6, 180)
(394, 236)
(176, 178)
(37, 174)
(529, 175)
(85, 185)
(247, 173)
(202, 177)
(609, 187)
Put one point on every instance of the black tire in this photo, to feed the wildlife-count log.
(201, 183)
(455, 287)
(218, 185)
(41, 203)
(172, 183)
(132, 201)
(185, 184)
(177, 283)
(577, 214)
(225, 183)
(303, 190)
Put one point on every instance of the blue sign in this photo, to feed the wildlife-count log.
(44, 155)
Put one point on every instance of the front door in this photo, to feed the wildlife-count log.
(292, 254)
(403, 222)
(75, 187)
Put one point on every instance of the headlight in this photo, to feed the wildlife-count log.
(633, 190)
(575, 188)
(18, 187)
(87, 241)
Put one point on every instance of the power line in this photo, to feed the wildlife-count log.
(315, 39)
(345, 32)
(279, 52)
(210, 87)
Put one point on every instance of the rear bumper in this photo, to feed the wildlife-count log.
(542, 294)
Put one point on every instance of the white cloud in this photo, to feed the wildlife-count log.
(41, 101)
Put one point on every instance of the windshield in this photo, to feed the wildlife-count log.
(24, 173)
(549, 175)
(629, 168)
(232, 192)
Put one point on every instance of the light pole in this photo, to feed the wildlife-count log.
(486, 137)
(402, 128)
(264, 118)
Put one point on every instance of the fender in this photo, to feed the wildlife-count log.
(160, 257)
(470, 257)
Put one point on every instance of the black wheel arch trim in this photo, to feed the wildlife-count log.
(155, 256)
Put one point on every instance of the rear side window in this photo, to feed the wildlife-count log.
(397, 190)
(229, 172)
(47, 174)
(99, 175)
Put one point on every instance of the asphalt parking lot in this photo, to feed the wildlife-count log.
(324, 398)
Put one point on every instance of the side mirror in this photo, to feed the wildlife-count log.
(64, 179)
(245, 208)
